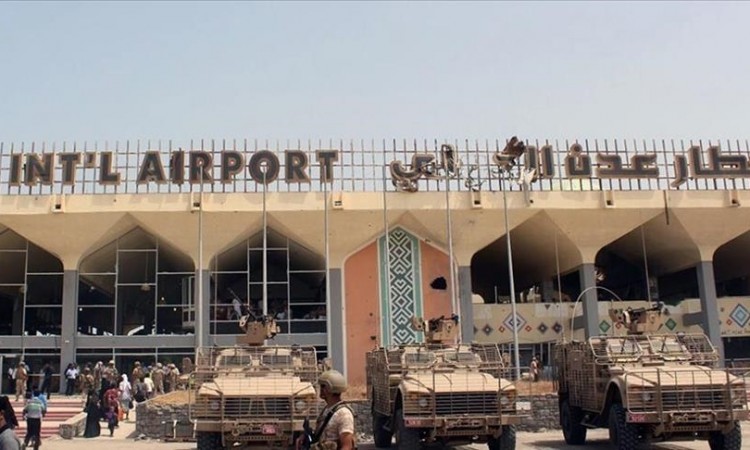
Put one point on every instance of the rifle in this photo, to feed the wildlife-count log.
(307, 435)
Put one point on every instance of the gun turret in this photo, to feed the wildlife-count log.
(639, 320)
(257, 329)
(441, 330)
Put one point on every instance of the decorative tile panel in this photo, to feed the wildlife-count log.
(400, 287)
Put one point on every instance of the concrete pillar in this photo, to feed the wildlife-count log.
(709, 305)
(335, 321)
(589, 300)
(464, 299)
(69, 321)
(202, 308)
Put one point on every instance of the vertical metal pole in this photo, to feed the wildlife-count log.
(199, 303)
(386, 338)
(510, 274)
(455, 306)
(265, 248)
(329, 337)
(645, 266)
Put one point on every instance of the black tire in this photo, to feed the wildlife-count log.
(381, 436)
(730, 441)
(208, 441)
(506, 441)
(406, 438)
(570, 422)
(622, 435)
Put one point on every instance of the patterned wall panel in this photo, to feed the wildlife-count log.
(544, 322)
(400, 291)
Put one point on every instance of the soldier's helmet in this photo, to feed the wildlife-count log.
(111, 362)
(334, 380)
(158, 365)
(137, 364)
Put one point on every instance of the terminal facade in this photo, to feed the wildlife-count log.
(146, 250)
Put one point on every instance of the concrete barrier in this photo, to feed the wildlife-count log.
(74, 426)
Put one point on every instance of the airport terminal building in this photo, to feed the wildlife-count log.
(144, 250)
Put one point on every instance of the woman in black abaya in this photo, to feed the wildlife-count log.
(93, 416)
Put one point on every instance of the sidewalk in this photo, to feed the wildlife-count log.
(124, 438)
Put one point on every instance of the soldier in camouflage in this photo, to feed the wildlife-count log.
(157, 376)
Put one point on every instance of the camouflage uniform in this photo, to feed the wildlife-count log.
(172, 375)
(137, 372)
(22, 375)
(87, 382)
(98, 368)
(111, 374)
(158, 377)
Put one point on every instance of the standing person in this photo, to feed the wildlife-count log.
(87, 382)
(149, 383)
(110, 373)
(139, 390)
(71, 374)
(138, 372)
(33, 412)
(93, 416)
(158, 378)
(47, 372)
(111, 398)
(126, 396)
(22, 376)
(12, 378)
(7, 410)
(8, 438)
(534, 369)
(111, 417)
(334, 427)
(98, 368)
(174, 377)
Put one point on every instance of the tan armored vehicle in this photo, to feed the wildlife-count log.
(252, 394)
(441, 392)
(645, 386)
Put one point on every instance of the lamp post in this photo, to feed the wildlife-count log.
(199, 314)
(516, 355)
(505, 161)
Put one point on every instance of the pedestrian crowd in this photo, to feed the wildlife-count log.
(109, 395)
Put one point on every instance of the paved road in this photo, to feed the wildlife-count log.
(550, 440)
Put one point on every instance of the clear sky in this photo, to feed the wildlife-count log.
(96, 71)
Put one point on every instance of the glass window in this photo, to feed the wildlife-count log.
(96, 290)
(135, 311)
(43, 321)
(11, 310)
(96, 321)
(293, 296)
(13, 265)
(44, 289)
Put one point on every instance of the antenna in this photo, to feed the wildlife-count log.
(645, 267)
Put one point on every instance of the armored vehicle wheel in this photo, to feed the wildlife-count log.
(570, 422)
(730, 441)
(381, 436)
(506, 441)
(209, 441)
(622, 435)
(406, 438)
